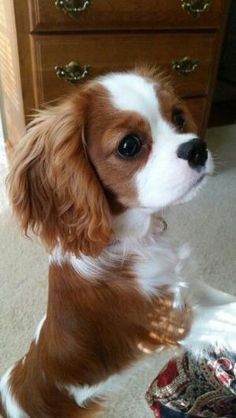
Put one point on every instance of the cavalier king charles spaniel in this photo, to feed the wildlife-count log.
(89, 178)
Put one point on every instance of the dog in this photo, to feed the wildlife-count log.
(89, 178)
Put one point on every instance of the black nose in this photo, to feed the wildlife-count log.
(194, 151)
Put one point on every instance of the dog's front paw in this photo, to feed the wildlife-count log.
(213, 326)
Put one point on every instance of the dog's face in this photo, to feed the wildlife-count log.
(143, 142)
(121, 141)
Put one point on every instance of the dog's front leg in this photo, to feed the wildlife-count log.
(214, 320)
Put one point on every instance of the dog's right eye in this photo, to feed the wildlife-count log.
(178, 118)
(130, 146)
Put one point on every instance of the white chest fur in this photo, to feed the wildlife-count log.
(158, 265)
(154, 262)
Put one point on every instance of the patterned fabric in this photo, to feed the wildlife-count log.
(189, 388)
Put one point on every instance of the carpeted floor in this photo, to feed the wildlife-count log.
(208, 223)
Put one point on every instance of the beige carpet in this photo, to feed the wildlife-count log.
(208, 223)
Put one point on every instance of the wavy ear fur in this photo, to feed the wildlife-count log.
(53, 187)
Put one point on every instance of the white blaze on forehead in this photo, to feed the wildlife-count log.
(132, 92)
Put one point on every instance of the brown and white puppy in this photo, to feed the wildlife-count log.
(88, 178)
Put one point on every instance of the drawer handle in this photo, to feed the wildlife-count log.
(72, 7)
(73, 72)
(185, 66)
(195, 7)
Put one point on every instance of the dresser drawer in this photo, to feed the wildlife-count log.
(124, 14)
(104, 53)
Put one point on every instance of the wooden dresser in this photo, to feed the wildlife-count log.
(64, 42)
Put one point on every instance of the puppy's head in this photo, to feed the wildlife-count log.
(121, 141)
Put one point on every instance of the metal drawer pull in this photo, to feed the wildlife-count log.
(73, 72)
(195, 7)
(185, 66)
(72, 7)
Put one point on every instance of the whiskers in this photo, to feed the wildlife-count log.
(218, 162)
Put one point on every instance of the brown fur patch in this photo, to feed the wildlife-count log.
(168, 102)
(92, 331)
(49, 179)
(106, 128)
(2, 413)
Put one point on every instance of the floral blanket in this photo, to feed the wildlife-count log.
(187, 387)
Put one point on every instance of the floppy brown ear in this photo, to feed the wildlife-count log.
(53, 187)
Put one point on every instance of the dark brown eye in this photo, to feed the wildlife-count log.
(130, 146)
(178, 118)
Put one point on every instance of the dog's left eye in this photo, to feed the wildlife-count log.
(178, 118)
(130, 146)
